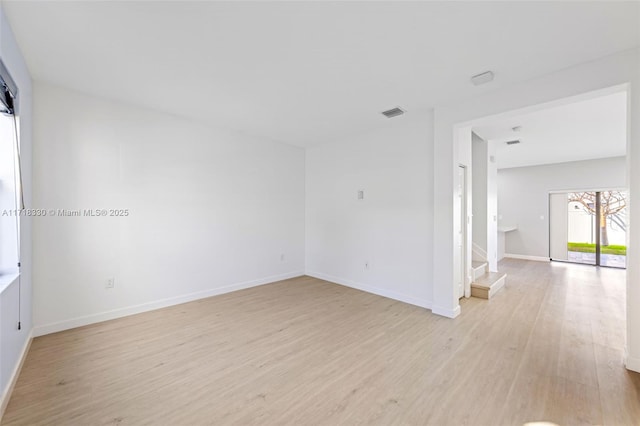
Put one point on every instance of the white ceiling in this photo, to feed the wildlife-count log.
(594, 128)
(312, 72)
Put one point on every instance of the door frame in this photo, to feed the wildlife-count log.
(465, 289)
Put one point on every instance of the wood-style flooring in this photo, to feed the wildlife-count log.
(303, 351)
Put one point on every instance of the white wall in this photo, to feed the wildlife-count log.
(480, 161)
(210, 211)
(12, 340)
(523, 197)
(485, 200)
(391, 228)
(465, 159)
(492, 208)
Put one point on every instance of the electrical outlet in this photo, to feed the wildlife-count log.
(111, 282)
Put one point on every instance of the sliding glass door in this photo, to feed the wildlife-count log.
(589, 227)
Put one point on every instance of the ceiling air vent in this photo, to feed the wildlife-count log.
(393, 112)
(482, 78)
(516, 142)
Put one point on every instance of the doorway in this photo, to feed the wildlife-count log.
(589, 227)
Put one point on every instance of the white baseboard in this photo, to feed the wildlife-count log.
(6, 394)
(631, 363)
(423, 303)
(526, 257)
(446, 312)
(41, 330)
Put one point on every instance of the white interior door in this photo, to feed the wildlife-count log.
(558, 226)
(459, 210)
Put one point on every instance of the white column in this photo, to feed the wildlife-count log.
(633, 229)
(445, 298)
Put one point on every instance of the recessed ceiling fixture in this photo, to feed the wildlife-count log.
(515, 142)
(393, 112)
(482, 78)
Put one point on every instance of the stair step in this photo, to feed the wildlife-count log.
(479, 269)
(488, 284)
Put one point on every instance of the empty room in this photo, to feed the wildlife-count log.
(297, 212)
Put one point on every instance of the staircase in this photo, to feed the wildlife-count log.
(486, 284)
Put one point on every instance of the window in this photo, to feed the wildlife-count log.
(10, 178)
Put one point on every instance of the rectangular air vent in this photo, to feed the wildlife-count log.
(513, 142)
(393, 112)
(482, 78)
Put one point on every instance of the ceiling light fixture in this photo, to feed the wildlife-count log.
(482, 78)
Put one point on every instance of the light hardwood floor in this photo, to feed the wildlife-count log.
(548, 347)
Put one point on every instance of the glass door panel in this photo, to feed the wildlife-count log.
(595, 225)
(581, 227)
(613, 228)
